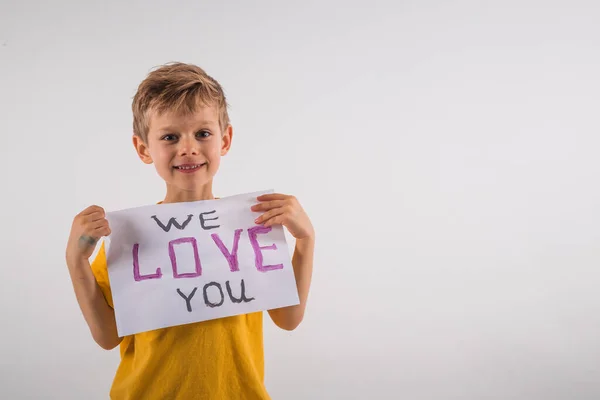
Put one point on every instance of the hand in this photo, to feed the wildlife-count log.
(88, 227)
(284, 210)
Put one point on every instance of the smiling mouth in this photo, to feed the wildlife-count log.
(189, 167)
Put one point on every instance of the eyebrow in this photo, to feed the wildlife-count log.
(171, 128)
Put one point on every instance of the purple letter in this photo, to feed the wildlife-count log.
(174, 259)
(253, 232)
(136, 267)
(231, 257)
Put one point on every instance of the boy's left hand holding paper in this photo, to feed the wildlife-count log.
(281, 209)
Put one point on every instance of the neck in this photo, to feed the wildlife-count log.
(175, 195)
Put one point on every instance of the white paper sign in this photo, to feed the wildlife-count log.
(179, 263)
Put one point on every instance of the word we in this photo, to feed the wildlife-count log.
(173, 221)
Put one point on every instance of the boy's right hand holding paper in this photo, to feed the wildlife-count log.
(88, 227)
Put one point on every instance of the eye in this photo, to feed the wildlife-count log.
(203, 134)
(169, 137)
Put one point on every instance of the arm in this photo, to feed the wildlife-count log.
(289, 318)
(87, 228)
(286, 210)
(99, 316)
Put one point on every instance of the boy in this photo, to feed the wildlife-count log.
(181, 125)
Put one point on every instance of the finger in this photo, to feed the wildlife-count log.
(268, 205)
(95, 216)
(270, 214)
(92, 209)
(102, 231)
(92, 226)
(277, 220)
(272, 196)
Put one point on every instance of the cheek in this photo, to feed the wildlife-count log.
(215, 150)
(161, 157)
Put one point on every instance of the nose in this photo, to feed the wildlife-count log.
(188, 146)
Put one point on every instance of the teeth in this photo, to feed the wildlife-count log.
(188, 167)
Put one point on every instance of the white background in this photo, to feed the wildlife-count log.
(447, 152)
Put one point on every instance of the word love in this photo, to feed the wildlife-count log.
(230, 255)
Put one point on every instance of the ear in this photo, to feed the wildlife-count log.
(142, 149)
(226, 140)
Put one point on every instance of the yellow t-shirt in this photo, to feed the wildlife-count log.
(213, 360)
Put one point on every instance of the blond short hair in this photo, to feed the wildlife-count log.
(180, 88)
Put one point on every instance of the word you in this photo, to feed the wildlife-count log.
(220, 296)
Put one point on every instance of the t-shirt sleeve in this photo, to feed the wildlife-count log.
(100, 271)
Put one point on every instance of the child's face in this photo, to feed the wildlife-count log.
(186, 150)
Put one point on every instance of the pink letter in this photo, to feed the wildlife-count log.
(191, 240)
(231, 257)
(136, 267)
(253, 232)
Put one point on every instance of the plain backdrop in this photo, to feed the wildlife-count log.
(446, 151)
